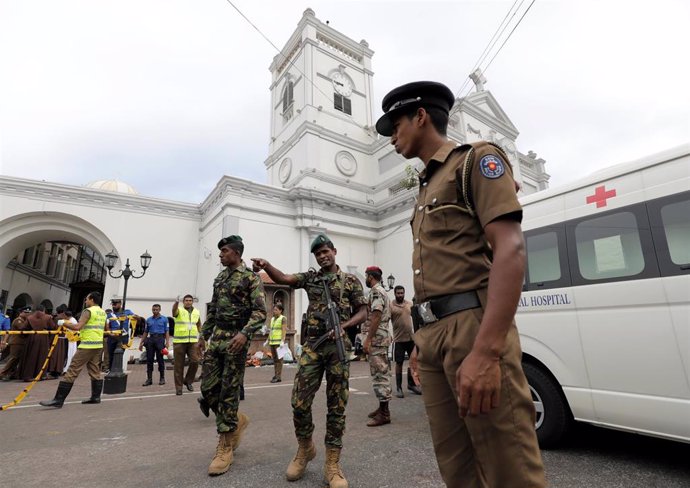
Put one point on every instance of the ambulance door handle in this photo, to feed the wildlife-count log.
(685, 266)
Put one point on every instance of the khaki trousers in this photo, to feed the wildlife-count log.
(496, 450)
(91, 358)
(180, 350)
(277, 363)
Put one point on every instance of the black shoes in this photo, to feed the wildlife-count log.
(62, 391)
(162, 381)
(96, 388)
(189, 386)
(148, 382)
(275, 379)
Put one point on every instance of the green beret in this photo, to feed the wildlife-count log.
(229, 240)
(319, 241)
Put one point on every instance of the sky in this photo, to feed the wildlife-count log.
(169, 95)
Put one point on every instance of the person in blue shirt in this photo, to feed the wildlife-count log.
(4, 326)
(118, 320)
(4, 319)
(155, 339)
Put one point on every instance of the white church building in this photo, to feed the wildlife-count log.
(327, 171)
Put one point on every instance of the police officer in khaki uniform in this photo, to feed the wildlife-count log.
(468, 261)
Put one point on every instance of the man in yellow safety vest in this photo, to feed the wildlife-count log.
(276, 338)
(91, 326)
(186, 336)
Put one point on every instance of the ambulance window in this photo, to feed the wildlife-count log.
(609, 247)
(543, 262)
(674, 218)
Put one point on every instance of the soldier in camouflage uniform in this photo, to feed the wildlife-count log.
(376, 344)
(236, 312)
(346, 291)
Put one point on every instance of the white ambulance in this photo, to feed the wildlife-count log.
(604, 316)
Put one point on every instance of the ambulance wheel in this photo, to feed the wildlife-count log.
(553, 416)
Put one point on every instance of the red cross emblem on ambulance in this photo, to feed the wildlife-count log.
(601, 194)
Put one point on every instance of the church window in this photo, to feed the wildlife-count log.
(288, 100)
(38, 257)
(342, 103)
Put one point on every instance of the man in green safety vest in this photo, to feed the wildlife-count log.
(91, 326)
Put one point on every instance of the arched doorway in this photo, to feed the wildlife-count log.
(22, 300)
(30, 230)
(48, 305)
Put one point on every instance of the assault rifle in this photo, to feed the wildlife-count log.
(332, 324)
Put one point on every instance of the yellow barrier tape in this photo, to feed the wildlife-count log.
(131, 336)
(38, 377)
(62, 329)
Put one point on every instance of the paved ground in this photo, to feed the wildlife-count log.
(149, 437)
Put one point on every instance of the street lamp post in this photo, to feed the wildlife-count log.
(391, 282)
(116, 379)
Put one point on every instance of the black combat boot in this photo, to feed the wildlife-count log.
(398, 386)
(63, 390)
(96, 388)
(148, 382)
(411, 385)
(162, 380)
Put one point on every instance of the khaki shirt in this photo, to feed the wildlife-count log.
(450, 251)
(379, 302)
(402, 321)
(16, 339)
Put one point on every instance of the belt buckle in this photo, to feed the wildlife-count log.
(425, 312)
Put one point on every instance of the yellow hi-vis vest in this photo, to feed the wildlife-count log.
(276, 333)
(185, 326)
(92, 333)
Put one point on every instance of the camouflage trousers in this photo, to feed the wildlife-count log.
(312, 365)
(222, 376)
(380, 372)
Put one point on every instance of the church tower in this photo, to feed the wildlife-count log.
(321, 112)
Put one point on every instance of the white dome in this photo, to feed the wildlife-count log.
(112, 185)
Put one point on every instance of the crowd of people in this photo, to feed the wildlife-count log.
(25, 354)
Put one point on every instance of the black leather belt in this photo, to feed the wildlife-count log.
(435, 309)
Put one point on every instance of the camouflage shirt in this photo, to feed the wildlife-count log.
(238, 303)
(346, 292)
(380, 302)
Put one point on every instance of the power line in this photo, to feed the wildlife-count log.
(504, 42)
(491, 42)
(292, 63)
(511, 33)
